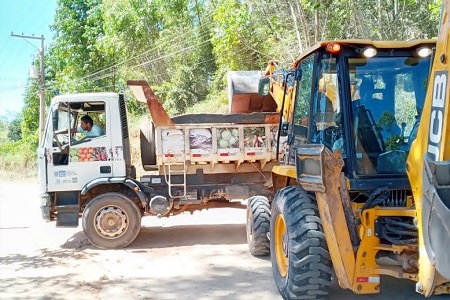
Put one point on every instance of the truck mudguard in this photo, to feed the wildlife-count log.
(120, 180)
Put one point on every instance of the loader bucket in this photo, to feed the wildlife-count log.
(436, 214)
(243, 94)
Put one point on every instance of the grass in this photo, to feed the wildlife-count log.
(18, 166)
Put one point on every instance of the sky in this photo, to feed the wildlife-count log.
(22, 17)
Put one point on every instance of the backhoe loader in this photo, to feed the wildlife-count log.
(362, 187)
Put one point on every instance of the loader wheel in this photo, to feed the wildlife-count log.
(301, 262)
(111, 221)
(258, 225)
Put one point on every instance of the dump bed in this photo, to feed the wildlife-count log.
(215, 143)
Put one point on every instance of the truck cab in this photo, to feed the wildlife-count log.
(69, 159)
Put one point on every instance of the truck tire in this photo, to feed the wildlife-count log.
(111, 221)
(258, 225)
(300, 258)
(148, 150)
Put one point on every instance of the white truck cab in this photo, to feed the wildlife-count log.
(69, 160)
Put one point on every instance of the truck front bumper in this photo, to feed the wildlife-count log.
(45, 206)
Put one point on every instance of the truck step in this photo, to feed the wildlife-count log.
(67, 215)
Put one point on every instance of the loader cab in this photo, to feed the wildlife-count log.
(365, 105)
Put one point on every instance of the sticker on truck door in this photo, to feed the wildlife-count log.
(88, 154)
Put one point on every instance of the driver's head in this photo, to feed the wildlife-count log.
(86, 123)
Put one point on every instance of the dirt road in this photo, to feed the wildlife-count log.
(203, 256)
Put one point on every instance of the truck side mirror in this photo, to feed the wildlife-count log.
(55, 119)
(284, 128)
(263, 86)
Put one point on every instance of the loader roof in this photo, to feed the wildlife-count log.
(364, 43)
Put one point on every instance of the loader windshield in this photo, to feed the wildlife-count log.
(387, 95)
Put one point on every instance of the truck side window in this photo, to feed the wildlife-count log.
(90, 123)
(60, 120)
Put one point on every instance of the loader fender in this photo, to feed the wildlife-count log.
(132, 184)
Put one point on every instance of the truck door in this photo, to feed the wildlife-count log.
(42, 152)
(79, 155)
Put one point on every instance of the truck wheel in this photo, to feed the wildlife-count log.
(111, 221)
(258, 225)
(148, 150)
(301, 262)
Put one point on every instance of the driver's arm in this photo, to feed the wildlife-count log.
(63, 131)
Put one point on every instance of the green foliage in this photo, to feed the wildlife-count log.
(19, 157)
(14, 130)
(185, 48)
(217, 101)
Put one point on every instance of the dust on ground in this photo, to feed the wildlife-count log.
(203, 256)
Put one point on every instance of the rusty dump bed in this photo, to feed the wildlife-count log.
(212, 139)
(238, 118)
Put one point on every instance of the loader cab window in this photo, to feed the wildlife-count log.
(300, 120)
(326, 111)
(387, 100)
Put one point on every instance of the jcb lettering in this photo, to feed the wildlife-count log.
(437, 118)
(437, 114)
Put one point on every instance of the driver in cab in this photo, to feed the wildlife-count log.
(87, 127)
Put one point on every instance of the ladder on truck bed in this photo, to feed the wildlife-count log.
(175, 169)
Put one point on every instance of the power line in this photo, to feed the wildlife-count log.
(159, 46)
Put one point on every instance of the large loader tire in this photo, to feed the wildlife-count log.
(301, 262)
(258, 225)
(148, 150)
(111, 221)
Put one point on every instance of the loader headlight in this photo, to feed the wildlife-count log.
(424, 52)
(369, 52)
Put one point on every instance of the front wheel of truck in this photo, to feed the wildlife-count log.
(111, 221)
(301, 263)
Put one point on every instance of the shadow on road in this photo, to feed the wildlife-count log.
(189, 235)
(44, 258)
(174, 236)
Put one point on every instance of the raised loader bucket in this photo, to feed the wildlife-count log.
(436, 214)
(243, 94)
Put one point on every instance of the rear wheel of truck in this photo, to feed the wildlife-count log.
(148, 150)
(301, 262)
(258, 225)
(111, 221)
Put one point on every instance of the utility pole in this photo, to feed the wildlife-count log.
(41, 83)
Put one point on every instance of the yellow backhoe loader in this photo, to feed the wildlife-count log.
(363, 184)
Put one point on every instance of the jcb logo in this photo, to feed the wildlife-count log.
(437, 114)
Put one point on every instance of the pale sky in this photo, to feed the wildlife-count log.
(27, 17)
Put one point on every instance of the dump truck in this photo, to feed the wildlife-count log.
(361, 187)
(191, 162)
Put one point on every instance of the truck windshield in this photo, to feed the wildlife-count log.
(387, 98)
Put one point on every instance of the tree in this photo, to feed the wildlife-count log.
(14, 130)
